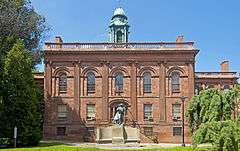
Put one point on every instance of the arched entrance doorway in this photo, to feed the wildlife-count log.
(113, 106)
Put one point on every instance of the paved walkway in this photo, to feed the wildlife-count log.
(126, 146)
(121, 146)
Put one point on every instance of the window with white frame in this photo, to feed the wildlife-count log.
(147, 82)
(147, 111)
(90, 111)
(176, 111)
(62, 111)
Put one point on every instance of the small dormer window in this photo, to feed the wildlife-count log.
(119, 37)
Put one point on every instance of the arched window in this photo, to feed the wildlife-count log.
(175, 82)
(63, 82)
(90, 82)
(119, 82)
(119, 37)
(147, 85)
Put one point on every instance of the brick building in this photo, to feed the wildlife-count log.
(83, 83)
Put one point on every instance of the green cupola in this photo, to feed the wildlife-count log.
(119, 28)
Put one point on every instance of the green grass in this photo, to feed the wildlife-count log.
(61, 147)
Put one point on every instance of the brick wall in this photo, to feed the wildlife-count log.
(105, 65)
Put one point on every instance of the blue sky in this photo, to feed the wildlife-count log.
(214, 25)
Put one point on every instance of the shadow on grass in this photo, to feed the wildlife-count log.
(49, 144)
(41, 145)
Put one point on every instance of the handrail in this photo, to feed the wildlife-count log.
(106, 45)
(200, 74)
(208, 72)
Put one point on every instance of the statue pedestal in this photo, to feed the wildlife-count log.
(118, 134)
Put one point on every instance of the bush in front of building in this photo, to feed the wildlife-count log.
(5, 142)
(224, 135)
(212, 121)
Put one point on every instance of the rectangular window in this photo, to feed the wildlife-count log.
(91, 112)
(176, 111)
(177, 131)
(147, 111)
(148, 131)
(62, 111)
(61, 131)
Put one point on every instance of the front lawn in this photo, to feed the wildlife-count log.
(61, 147)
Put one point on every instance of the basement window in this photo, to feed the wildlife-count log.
(177, 131)
(61, 131)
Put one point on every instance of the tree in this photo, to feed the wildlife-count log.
(211, 105)
(224, 135)
(20, 105)
(18, 20)
(210, 119)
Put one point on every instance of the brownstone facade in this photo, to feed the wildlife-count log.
(77, 61)
(222, 80)
(82, 87)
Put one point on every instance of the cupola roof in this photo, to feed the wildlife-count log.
(119, 11)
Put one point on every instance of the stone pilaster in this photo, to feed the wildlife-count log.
(48, 79)
(133, 91)
(105, 89)
(162, 91)
(191, 81)
(77, 86)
